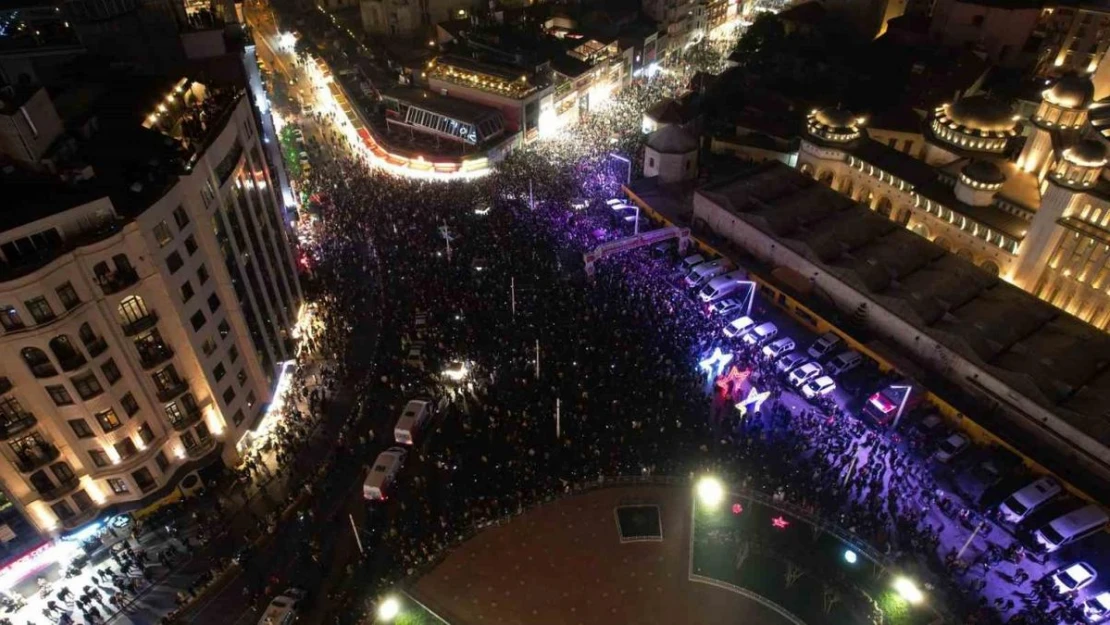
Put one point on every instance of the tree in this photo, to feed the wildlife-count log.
(763, 40)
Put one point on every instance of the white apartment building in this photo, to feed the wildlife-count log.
(144, 311)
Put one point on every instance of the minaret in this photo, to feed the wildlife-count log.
(1063, 110)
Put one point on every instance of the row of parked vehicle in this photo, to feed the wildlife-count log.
(383, 473)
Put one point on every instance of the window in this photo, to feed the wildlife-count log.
(242, 376)
(208, 347)
(219, 372)
(117, 485)
(126, 448)
(108, 420)
(62, 472)
(162, 234)
(651, 161)
(203, 435)
(68, 296)
(250, 399)
(166, 378)
(180, 217)
(111, 371)
(186, 291)
(213, 303)
(233, 353)
(202, 274)
(59, 394)
(229, 395)
(83, 501)
(237, 418)
(224, 329)
(40, 309)
(174, 262)
(162, 461)
(130, 405)
(188, 441)
(62, 510)
(197, 320)
(10, 318)
(145, 433)
(190, 245)
(99, 458)
(81, 428)
(87, 385)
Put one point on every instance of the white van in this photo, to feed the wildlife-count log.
(283, 609)
(1018, 506)
(823, 345)
(692, 261)
(386, 467)
(844, 362)
(761, 334)
(738, 326)
(413, 417)
(1071, 527)
(707, 271)
(722, 286)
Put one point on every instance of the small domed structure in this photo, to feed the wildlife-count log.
(671, 154)
(978, 123)
(1070, 91)
(1087, 153)
(1080, 165)
(979, 181)
(834, 124)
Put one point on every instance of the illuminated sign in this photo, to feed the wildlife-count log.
(734, 379)
(754, 400)
(716, 362)
(780, 523)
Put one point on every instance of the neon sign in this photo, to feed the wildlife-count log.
(716, 362)
(734, 379)
(780, 523)
(754, 399)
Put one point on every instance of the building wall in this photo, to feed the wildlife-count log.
(1075, 39)
(1001, 31)
(29, 130)
(1020, 411)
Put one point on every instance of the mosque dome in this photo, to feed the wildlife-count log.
(981, 113)
(984, 173)
(834, 124)
(1087, 153)
(1071, 91)
(672, 139)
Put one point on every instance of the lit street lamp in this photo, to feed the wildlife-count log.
(908, 590)
(710, 492)
(389, 609)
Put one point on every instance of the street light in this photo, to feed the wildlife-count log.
(710, 492)
(908, 590)
(850, 556)
(389, 609)
(628, 176)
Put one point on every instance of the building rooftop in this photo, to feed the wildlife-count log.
(1051, 357)
(461, 110)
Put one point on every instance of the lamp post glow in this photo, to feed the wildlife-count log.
(389, 609)
(710, 492)
(850, 556)
(908, 590)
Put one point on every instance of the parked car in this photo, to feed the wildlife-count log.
(1071, 527)
(844, 362)
(761, 334)
(1024, 501)
(726, 307)
(804, 374)
(951, 448)
(788, 362)
(738, 326)
(779, 347)
(986, 470)
(823, 346)
(284, 609)
(819, 387)
(1073, 577)
(1097, 608)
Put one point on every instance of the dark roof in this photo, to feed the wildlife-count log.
(807, 12)
(1006, 4)
(898, 164)
(898, 118)
(461, 110)
(569, 66)
(666, 111)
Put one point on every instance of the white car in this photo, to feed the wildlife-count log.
(760, 334)
(951, 448)
(823, 345)
(726, 307)
(283, 609)
(738, 326)
(844, 362)
(804, 374)
(1073, 577)
(1097, 608)
(614, 201)
(819, 387)
(787, 363)
(779, 347)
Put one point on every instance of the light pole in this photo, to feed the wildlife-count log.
(901, 405)
(628, 176)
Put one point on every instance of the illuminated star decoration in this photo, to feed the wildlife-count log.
(733, 379)
(716, 363)
(754, 399)
(780, 523)
(737, 508)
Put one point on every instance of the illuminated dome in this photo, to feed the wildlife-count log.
(833, 124)
(978, 123)
(672, 139)
(981, 113)
(984, 173)
(1070, 91)
(1087, 153)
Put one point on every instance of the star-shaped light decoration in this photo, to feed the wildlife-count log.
(753, 402)
(780, 523)
(716, 362)
(733, 379)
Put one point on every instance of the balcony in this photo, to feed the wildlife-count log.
(188, 418)
(5, 385)
(152, 356)
(201, 448)
(117, 281)
(97, 347)
(21, 423)
(145, 322)
(74, 361)
(80, 518)
(43, 455)
(63, 488)
(171, 391)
